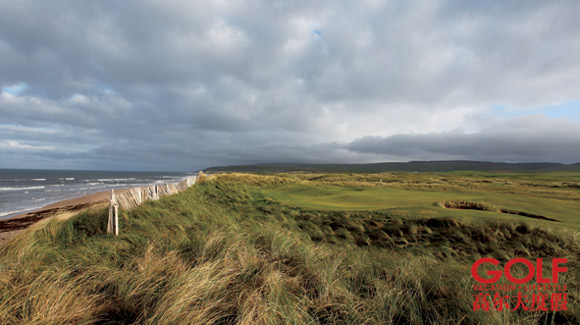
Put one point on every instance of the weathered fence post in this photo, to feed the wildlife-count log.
(135, 196)
(113, 225)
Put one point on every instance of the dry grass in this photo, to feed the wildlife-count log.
(222, 253)
(481, 206)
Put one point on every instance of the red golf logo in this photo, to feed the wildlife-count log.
(556, 269)
(545, 295)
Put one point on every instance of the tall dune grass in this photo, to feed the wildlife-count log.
(223, 253)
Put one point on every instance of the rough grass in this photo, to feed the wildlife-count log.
(224, 253)
(469, 205)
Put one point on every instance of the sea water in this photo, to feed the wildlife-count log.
(24, 190)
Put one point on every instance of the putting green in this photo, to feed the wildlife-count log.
(422, 203)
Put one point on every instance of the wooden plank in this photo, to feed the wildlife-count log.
(113, 224)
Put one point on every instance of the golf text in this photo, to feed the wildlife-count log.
(533, 270)
(546, 294)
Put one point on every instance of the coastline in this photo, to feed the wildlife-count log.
(12, 226)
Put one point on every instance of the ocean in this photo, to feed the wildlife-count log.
(23, 190)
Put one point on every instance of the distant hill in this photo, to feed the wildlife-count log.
(411, 166)
(571, 167)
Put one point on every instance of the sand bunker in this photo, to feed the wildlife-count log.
(483, 206)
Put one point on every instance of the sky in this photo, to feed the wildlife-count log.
(184, 85)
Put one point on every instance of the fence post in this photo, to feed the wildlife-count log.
(113, 225)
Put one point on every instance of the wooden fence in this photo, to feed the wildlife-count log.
(137, 195)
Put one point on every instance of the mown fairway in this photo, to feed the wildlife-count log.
(553, 195)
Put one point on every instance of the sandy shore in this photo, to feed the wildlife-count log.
(10, 227)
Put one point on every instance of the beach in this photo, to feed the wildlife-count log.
(12, 226)
(22, 191)
(28, 196)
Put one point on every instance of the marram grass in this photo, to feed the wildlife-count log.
(224, 253)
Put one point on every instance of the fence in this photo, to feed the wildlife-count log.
(137, 195)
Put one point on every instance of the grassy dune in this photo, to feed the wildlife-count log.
(229, 251)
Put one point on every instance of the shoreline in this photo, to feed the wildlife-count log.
(10, 227)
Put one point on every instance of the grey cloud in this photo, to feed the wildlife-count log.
(187, 84)
(527, 139)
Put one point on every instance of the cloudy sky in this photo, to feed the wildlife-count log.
(183, 85)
